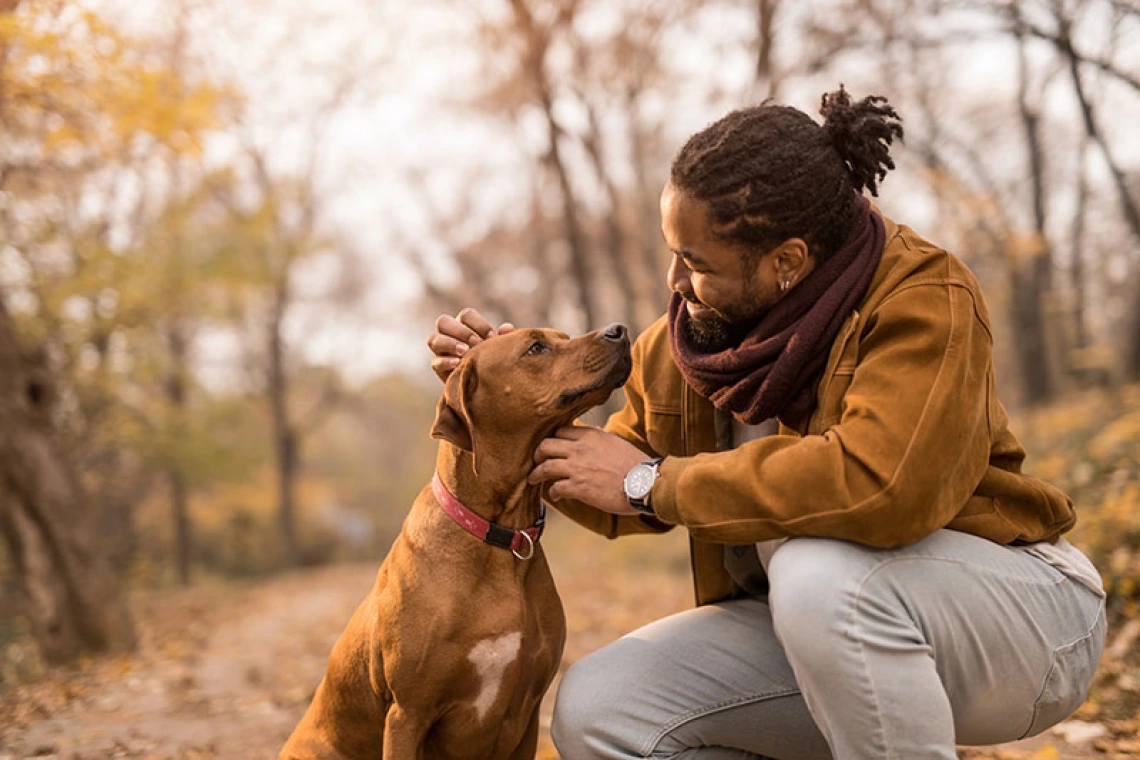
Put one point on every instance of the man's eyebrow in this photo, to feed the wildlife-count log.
(688, 256)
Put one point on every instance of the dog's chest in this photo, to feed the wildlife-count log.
(503, 677)
(508, 674)
(491, 658)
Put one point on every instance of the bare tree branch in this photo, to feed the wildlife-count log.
(1064, 44)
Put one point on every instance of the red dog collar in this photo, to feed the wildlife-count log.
(520, 542)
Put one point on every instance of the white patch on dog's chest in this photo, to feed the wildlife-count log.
(491, 658)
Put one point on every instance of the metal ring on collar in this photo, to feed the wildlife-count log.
(529, 548)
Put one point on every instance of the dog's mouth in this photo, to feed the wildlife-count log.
(614, 378)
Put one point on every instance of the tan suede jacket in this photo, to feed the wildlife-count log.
(908, 435)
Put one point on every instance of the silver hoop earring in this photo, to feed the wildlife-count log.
(785, 285)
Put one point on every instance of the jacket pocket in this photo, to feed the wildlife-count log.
(664, 431)
(1067, 685)
(834, 383)
(831, 399)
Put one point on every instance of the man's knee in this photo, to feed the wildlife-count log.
(813, 588)
(588, 697)
(572, 704)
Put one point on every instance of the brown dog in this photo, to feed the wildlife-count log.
(451, 652)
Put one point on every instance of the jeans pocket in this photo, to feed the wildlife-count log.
(1067, 684)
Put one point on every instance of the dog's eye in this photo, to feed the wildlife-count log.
(536, 348)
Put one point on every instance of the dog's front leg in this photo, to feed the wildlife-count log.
(529, 744)
(404, 735)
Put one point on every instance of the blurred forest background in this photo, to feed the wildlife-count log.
(226, 228)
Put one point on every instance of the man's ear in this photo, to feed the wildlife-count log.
(791, 257)
(452, 414)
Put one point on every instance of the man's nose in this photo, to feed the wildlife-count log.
(615, 333)
(678, 276)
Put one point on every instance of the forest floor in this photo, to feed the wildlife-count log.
(225, 670)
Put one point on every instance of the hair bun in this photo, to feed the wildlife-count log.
(862, 134)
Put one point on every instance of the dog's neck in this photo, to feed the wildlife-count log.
(499, 492)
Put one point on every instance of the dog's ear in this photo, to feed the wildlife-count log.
(453, 413)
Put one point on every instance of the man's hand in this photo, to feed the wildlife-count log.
(587, 464)
(454, 336)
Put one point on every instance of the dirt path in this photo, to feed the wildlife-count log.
(226, 671)
(222, 672)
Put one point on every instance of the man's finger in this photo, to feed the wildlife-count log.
(453, 328)
(551, 448)
(505, 328)
(552, 469)
(477, 322)
(446, 346)
(443, 366)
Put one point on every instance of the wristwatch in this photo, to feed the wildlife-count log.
(639, 482)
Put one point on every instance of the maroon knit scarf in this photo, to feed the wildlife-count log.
(773, 372)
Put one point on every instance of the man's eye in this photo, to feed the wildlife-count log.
(536, 348)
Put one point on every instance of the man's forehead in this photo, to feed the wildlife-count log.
(681, 213)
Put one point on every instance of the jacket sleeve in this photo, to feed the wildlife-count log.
(628, 423)
(909, 449)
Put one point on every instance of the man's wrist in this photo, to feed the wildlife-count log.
(642, 506)
(665, 496)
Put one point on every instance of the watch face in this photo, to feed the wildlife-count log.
(639, 481)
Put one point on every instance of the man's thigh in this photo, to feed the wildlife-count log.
(1011, 640)
(713, 677)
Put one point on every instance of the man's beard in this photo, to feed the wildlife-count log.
(714, 333)
(710, 335)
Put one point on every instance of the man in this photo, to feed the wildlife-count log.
(875, 578)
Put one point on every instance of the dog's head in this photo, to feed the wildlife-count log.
(524, 385)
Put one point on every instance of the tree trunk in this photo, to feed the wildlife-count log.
(572, 225)
(1032, 276)
(540, 257)
(765, 45)
(1128, 206)
(179, 490)
(1077, 273)
(284, 434)
(615, 234)
(651, 275)
(1027, 285)
(177, 340)
(180, 513)
(534, 63)
(74, 602)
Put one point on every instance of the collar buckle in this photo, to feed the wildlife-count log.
(529, 547)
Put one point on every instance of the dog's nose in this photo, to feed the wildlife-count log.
(615, 333)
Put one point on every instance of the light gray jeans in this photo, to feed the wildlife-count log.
(856, 653)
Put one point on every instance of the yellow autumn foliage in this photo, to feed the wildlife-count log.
(76, 88)
(1089, 446)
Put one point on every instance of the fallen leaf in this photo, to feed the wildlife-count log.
(1078, 732)
(1048, 752)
